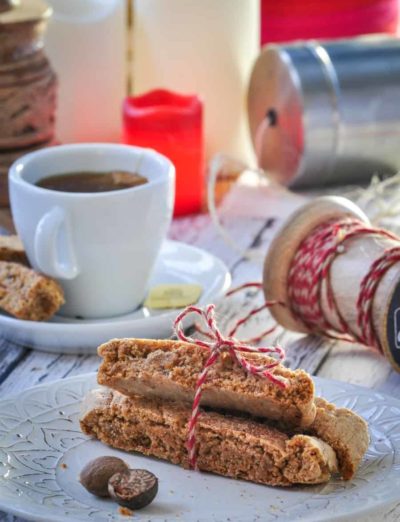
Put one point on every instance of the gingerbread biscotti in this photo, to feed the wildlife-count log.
(26, 294)
(227, 445)
(345, 431)
(169, 370)
(11, 249)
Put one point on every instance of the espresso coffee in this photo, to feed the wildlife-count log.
(92, 181)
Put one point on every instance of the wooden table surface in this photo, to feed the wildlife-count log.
(21, 368)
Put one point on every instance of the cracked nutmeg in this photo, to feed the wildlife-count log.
(133, 489)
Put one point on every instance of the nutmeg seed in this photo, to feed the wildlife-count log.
(133, 489)
(95, 475)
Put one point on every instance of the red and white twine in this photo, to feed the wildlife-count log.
(217, 345)
(309, 280)
(243, 320)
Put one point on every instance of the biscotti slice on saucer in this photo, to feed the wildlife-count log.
(227, 445)
(26, 294)
(12, 249)
(169, 370)
(345, 431)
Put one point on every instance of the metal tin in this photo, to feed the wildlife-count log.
(327, 112)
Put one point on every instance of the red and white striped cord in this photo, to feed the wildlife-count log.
(309, 277)
(243, 320)
(218, 344)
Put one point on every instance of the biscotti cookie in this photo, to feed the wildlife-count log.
(226, 445)
(170, 369)
(11, 249)
(26, 294)
(345, 431)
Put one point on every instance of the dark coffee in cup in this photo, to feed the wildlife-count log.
(92, 181)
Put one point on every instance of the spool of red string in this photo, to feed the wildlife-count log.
(290, 20)
(337, 276)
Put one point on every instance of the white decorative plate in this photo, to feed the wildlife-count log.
(178, 263)
(42, 452)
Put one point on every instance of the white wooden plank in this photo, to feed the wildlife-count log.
(243, 231)
(6, 517)
(307, 352)
(188, 228)
(40, 367)
(10, 356)
(360, 365)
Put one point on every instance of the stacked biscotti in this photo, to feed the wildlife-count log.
(249, 427)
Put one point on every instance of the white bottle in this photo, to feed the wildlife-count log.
(205, 47)
(86, 45)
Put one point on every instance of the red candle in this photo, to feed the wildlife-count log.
(305, 19)
(171, 123)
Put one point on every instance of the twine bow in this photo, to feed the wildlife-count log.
(218, 344)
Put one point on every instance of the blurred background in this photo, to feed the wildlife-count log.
(269, 84)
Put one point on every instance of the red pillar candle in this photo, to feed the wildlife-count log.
(171, 123)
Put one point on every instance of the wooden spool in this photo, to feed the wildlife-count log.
(347, 272)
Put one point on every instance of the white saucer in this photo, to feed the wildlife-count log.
(178, 263)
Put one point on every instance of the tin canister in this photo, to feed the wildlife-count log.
(324, 113)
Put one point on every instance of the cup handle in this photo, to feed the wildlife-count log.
(53, 249)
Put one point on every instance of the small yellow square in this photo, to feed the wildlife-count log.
(173, 296)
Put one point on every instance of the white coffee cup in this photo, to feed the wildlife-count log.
(100, 246)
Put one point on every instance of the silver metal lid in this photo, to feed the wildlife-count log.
(293, 90)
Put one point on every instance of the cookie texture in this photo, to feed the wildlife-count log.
(12, 249)
(26, 294)
(169, 370)
(227, 445)
(345, 431)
